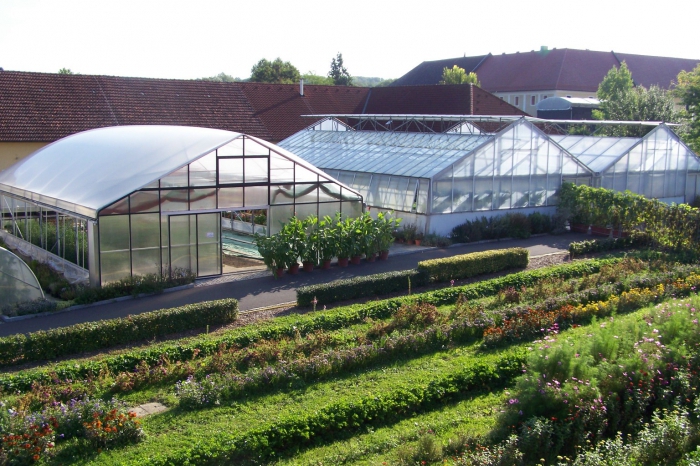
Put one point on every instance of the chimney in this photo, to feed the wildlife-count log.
(301, 87)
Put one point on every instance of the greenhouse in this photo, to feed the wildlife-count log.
(134, 200)
(18, 284)
(437, 180)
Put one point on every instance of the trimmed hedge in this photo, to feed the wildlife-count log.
(289, 326)
(638, 240)
(360, 287)
(91, 336)
(476, 263)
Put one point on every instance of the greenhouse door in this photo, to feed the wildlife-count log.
(195, 243)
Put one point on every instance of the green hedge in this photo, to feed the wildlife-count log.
(91, 336)
(359, 287)
(638, 240)
(289, 326)
(476, 263)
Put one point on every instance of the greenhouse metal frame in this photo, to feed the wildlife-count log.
(148, 199)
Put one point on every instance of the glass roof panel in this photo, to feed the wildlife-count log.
(90, 170)
(17, 282)
(597, 153)
(419, 155)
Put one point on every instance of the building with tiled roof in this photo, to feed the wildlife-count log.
(39, 108)
(524, 79)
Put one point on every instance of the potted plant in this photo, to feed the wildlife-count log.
(385, 233)
(418, 238)
(327, 241)
(358, 236)
(344, 243)
(309, 250)
(274, 253)
(409, 233)
(293, 237)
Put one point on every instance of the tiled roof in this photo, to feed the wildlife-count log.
(279, 106)
(47, 107)
(430, 72)
(556, 69)
(458, 99)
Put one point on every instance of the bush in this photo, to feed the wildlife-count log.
(515, 225)
(90, 336)
(637, 240)
(476, 263)
(360, 287)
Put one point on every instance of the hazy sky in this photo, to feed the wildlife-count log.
(196, 38)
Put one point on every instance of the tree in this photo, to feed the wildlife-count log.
(313, 78)
(687, 90)
(617, 80)
(221, 78)
(637, 104)
(277, 71)
(457, 75)
(338, 73)
(65, 71)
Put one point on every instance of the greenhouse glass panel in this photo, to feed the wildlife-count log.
(118, 208)
(347, 195)
(256, 170)
(145, 261)
(164, 242)
(253, 148)
(329, 192)
(172, 200)
(279, 215)
(521, 192)
(502, 192)
(144, 201)
(17, 282)
(351, 209)
(346, 178)
(422, 206)
(114, 265)
(302, 175)
(230, 171)
(463, 194)
(203, 171)
(233, 148)
(255, 196)
(145, 230)
(230, 197)
(114, 233)
(306, 193)
(203, 198)
(281, 169)
(538, 191)
(208, 247)
(484, 161)
(304, 211)
(442, 195)
(329, 209)
(177, 179)
(483, 193)
(282, 194)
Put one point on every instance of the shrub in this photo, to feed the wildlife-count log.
(518, 225)
(470, 265)
(540, 223)
(637, 240)
(359, 287)
(31, 307)
(37, 346)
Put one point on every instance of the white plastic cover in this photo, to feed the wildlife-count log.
(18, 283)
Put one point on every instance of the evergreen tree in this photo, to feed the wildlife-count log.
(338, 73)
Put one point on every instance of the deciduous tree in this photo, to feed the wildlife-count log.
(457, 75)
(277, 71)
(687, 90)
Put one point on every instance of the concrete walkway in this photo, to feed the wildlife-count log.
(260, 289)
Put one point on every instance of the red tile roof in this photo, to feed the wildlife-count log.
(47, 107)
(556, 69)
(279, 106)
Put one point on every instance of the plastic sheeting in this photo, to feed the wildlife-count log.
(17, 282)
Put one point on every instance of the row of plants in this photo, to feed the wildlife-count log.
(290, 326)
(91, 336)
(271, 439)
(94, 423)
(619, 392)
(675, 227)
(406, 317)
(43, 235)
(636, 240)
(315, 241)
(435, 270)
(515, 225)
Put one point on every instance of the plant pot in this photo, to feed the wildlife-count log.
(342, 262)
(402, 240)
(371, 257)
(417, 241)
(326, 264)
(308, 266)
(355, 260)
(279, 272)
(384, 255)
(293, 269)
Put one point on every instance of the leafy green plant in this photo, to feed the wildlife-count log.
(477, 263)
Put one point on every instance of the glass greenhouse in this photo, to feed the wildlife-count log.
(18, 284)
(440, 179)
(134, 200)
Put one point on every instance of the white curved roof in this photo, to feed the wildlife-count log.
(87, 171)
(18, 283)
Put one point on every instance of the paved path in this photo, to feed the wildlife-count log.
(260, 289)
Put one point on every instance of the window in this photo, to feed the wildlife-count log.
(533, 100)
(517, 101)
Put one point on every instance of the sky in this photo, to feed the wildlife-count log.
(386, 39)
